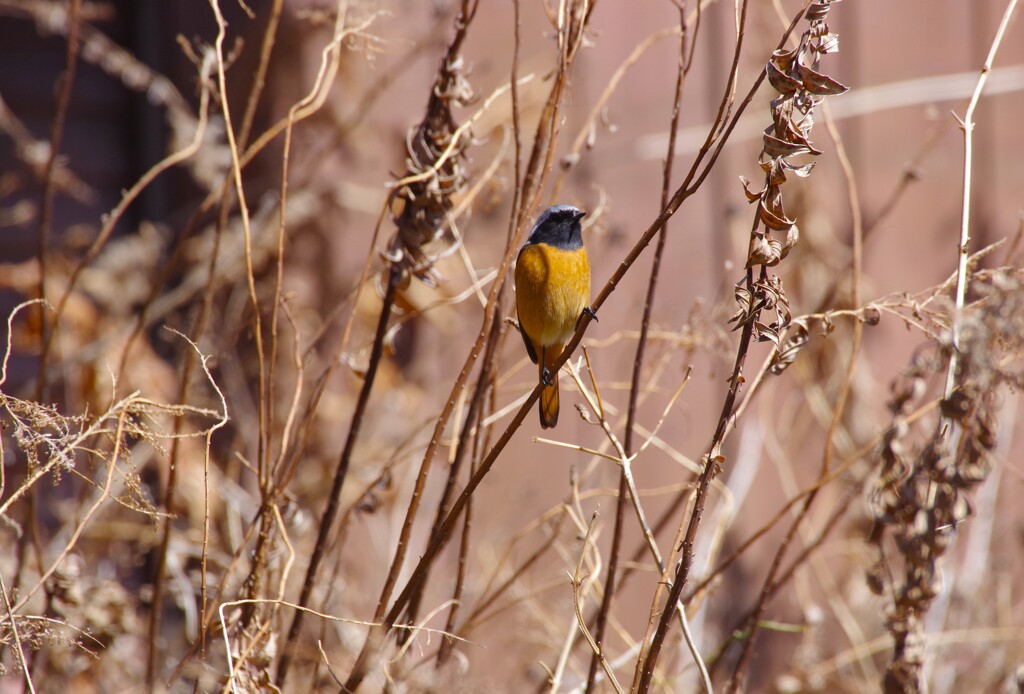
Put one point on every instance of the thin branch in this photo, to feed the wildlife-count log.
(326, 523)
(713, 459)
(645, 324)
(963, 249)
(67, 81)
(18, 647)
(853, 199)
(577, 582)
(536, 172)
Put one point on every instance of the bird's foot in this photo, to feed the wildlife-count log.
(546, 378)
(587, 311)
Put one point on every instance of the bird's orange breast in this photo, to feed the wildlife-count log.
(552, 289)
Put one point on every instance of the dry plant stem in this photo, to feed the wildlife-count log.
(444, 651)
(259, 79)
(328, 69)
(657, 608)
(470, 423)
(200, 326)
(114, 216)
(19, 650)
(264, 462)
(489, 312)
(711, 463)
(169, 504)
(67, 81)
(479, 615)
(333, 501)
(439, 540)
(309, 414)
(700, 495)
(188, 365)
(250, 274)
(534, 177)
(741, 626)
(184, 379)
(693, 180)
(613, 562)
(517, 127)
(967, 125)
(626, 462)
(577, 582)
(204, 597)
(768, 588)
(262, 631)
(634, 388)
(269, 491)
(225, 632)
(308, 105)
(712, 459)
(833, 475)
(752, 388)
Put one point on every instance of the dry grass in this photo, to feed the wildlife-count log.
(281, 438)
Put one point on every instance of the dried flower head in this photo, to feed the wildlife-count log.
(919, 498)
(793, 74)
(422, 201)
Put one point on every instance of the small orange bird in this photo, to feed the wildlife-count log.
(552, 293)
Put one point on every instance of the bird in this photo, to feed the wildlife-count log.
(552, 281)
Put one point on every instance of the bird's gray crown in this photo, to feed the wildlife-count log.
(559, 226)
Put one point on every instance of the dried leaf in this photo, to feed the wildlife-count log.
(818, 84)
(817, 12)
(792, 236)
(775, 148)
(762, 252)
(801, 171)
(780, 81)
(796, 338)
(774, 220)
(765, 333)
(829, 43)
(751, 195)
(775, 170)
(783, 59)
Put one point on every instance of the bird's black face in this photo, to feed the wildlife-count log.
(559, 226)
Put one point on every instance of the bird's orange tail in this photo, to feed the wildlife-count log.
(549, 396)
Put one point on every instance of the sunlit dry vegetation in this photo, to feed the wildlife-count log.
(282, 433)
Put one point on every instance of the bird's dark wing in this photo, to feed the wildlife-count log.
(529, 343)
